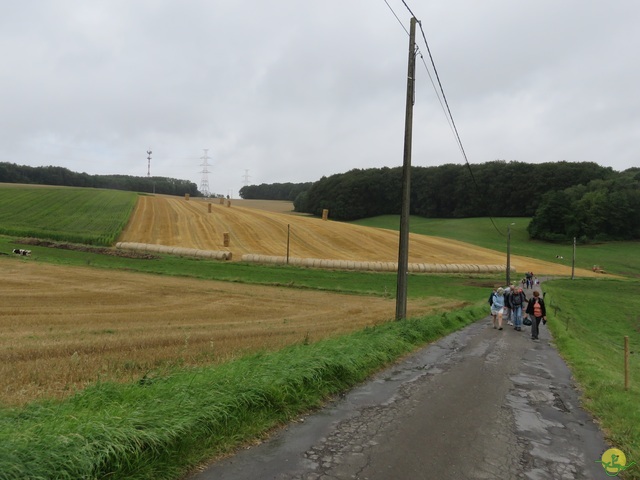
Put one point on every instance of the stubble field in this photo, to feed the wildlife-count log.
(261, 227)
(62, 328)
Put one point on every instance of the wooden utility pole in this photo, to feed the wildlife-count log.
(508, 279)
(626, 362)
(403, 248)
(573, 260)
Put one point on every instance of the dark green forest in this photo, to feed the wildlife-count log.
(50, 175)
(274, 191)
(564, 199)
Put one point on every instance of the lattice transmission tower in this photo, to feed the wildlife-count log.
(246, 177)
(204, 181)
(149, 152)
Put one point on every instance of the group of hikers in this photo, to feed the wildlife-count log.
(509, 304)
(530, 280)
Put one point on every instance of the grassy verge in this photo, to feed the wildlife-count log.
(613, 256)
(589, 320)
(160, 427)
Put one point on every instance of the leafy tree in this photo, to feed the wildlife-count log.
(606, 209)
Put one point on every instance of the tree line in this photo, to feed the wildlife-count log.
(601, 210)
(564, 199)
(274, 191)
(51, 175)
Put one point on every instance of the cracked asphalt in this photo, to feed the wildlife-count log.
(478, 404)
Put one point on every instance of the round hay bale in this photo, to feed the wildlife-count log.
(325, 214)
(225, 239)
(186, 197)
(209, 207)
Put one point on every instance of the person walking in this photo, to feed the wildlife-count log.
(491, 296)
(507, 305)
(497, 308)
(537, 310)
(517, 302)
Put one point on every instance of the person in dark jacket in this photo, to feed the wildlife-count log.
(537, 311)
(517, 301)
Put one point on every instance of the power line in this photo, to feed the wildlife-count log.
(448, 114)
(399, 21)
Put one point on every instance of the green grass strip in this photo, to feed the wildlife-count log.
(160, 427)
(589, 320)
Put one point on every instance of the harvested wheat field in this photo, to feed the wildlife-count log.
(62, 328)
(251, 229)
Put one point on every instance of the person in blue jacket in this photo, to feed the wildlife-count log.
(497, 308)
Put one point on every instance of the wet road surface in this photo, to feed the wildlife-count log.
(478, 404)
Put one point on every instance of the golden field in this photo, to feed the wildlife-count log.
(261, 227)
(62, 328)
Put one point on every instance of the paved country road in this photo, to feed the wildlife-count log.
(478, 404)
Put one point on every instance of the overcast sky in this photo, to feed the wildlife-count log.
(292, 90)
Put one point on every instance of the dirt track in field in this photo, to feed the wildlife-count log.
(260, 227)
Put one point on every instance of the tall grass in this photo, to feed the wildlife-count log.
(160, 427)
(79, 215)
(589, 320)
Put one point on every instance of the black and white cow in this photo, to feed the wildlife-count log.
(21, 251)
